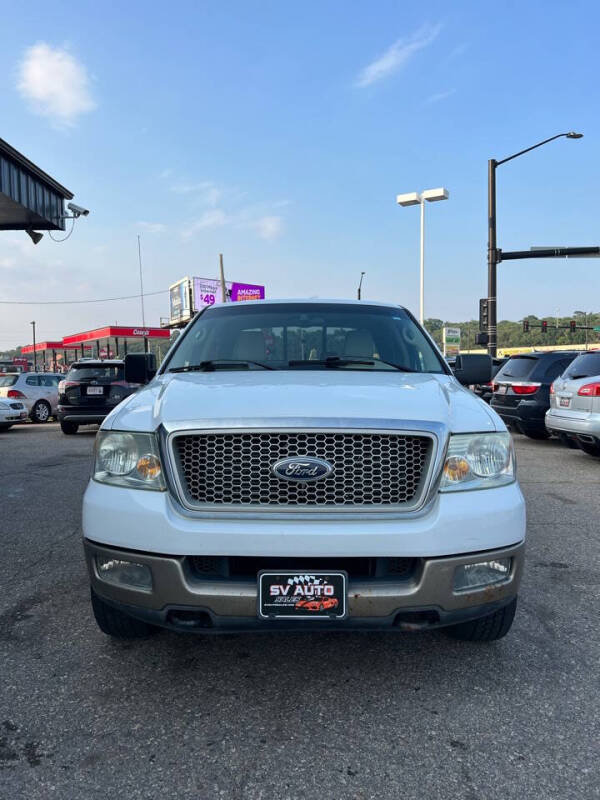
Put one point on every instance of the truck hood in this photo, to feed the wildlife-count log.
(234, 397)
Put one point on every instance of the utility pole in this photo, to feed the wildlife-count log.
(222, 276)
(34, 353)
(141, 282)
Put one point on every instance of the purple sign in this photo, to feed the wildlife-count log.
(246, 291)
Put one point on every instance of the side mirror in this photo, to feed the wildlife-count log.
(140, 367)
(470, 369)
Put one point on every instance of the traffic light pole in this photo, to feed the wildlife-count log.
(492, 326)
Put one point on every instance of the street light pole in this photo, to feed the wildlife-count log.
(492, 329)
(34, 353)
(419, 198)
(360, 285)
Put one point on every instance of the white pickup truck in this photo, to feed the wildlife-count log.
(304, 465)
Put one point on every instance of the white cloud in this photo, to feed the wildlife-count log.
(215, 218)
(268, 227)
(152, 227)
(396, 56)
(206, 191)
(55, 84)
(435, 98)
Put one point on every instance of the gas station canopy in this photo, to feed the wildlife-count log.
(29, 197)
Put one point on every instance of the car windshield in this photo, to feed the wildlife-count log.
(8, 380)
(100, 372)
(584, 366)
(306, 336)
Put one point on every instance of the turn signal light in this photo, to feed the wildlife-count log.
(525, 388)
(14, 393)
(590, 390)
(551, 388)
(456, 468)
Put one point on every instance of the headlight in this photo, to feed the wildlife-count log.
(128, 459)
(478, 461)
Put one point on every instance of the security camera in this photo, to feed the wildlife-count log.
(78, 211)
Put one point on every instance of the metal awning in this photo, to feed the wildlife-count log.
(29, 197)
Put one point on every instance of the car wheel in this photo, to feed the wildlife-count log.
(69, 427)
(115, 623)
(536, 433)
(5, 427)
(485, 629)
(590, 449)
(41, 411)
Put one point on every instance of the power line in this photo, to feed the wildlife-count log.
(77, 302)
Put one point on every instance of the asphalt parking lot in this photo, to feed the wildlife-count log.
(330, 716)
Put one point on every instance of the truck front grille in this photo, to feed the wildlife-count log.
(235, 469)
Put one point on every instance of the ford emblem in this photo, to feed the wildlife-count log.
(302, 469)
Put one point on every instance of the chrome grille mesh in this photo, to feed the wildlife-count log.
(370, 469)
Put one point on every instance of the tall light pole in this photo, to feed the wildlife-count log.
(362, 274)
(141, 282)
(414, 199)
(492, 330)
(34, 353)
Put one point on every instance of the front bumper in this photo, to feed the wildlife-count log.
(179, 600)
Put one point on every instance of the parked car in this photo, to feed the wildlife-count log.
(485, 390)
(38, 391)
(11, 411)
(521, 394)
(575, 403)
(304, 449)
(89, 392)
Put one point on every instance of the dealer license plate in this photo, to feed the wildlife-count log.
(564, 402)
(95, 390)
(302, 595)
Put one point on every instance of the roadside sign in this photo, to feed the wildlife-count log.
(451, 341)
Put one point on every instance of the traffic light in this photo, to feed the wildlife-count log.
(483, 314)
(544, 325)
(525, 326)
(573, 325)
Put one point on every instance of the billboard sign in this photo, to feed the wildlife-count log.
(451, 342)
(207, 292)
(179, 300)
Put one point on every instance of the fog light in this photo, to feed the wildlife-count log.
(484, 573)
(124, 573)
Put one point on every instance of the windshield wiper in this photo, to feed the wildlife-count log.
(219, 363)
(330, 361)
(336, 361)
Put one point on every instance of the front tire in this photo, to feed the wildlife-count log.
(69, 428)
(41, 412)
(590, 449)
(485, 629)
(115, 623)
(5, 427)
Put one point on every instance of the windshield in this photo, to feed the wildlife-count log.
(100, 373)
(306, 336)
(8, 380)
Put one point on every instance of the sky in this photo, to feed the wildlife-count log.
(279, 134)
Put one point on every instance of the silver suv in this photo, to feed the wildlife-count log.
(38, 391)
(575, 403)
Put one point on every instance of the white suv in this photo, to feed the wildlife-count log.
(38, 391)
(299, 466)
